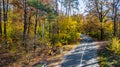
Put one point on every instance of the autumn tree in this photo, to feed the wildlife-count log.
(98, 8)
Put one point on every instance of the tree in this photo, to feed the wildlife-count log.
(36, 22)
(61, 3)
(25, 24)
(5, 12)
(97, 8)
(115, 4)
(0, 18)
(31, 13)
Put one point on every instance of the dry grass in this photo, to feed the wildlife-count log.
(52, 61)
(101, 44)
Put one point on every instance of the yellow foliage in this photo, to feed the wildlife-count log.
(9, 40)
(115, 45)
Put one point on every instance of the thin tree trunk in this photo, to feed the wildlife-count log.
(6, 16)
(0, 19)
(101, 29)
(66, 10)
(115, 17)
(101, 21)
(43, 25)
(25, 25)
(5, 19)
(115, 24)
(35, 30)
(28, 32)
(56, 6)
(69, 9)
(61, 6)
(56, 28)
(49, 27)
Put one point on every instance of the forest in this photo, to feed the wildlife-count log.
(42, 28)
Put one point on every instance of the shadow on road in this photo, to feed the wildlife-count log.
(89, 51)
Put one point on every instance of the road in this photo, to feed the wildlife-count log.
(84, 55)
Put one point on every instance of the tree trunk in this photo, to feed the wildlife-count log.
(69, 9)
(43, 25)
(66, 11)
(5, 8)
(56, 6)
(25, 25)
(56, 21)
(101, 20)
(35, 30)
(115, 17)
(28, 32)
(0, 18)
(101, 29)
(49, 27)
(62, 6)
(115, 25)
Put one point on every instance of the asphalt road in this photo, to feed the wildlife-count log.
(84, 55)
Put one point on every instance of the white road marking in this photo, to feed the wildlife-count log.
(82, 55)
(87, 52)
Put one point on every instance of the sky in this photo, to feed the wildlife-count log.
(81, 7)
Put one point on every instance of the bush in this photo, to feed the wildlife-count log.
(115, 46)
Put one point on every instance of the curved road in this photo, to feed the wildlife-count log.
(84, 55)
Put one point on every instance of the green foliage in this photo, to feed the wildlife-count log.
(104, 64)
(44, 7)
